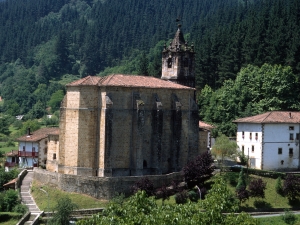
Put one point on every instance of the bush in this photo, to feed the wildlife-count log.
(291, 187)
(20, 208)
(63, 209)
(143, 184)
(257, 188)
(289, 217)
(278, 186)
(181, 197)
(10, 200)
(242, 194)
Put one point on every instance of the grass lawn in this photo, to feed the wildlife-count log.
(272, 199)
(276, 220)
(83, 201)
(9, 218)
(7, 149)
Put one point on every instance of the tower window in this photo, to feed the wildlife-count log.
(169, 62)
(186, 62)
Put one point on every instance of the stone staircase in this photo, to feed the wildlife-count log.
(27, 198)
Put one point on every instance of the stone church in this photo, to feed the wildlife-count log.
(126, 125)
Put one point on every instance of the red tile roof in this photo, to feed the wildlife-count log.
(39, 134)
(206, 126)
(121, 80)
(272, 117)
(12, 153)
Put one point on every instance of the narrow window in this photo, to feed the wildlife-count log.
(282, 161)
(243, 134)
(291, 127)
(186, 62)
(54, 156)
(23, 148)
(291, 151)
(45, 161)
(297, 136)
(243, 149)
(33, 149)
(252, 148)
(45, 142)
(169, 62)
(279, 151)
(291, 137)
(256, 136)
(145, 164)
(46, 150)
(250, 136)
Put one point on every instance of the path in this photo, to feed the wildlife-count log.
(27, 198)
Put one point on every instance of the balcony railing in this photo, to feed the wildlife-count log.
(10, 164)
(28, 154)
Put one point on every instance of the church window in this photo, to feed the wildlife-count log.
(54, 156)
(186, 62)
(169, 62)
(144, 164)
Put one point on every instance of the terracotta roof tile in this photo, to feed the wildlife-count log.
(12, 153)
(206, 126)
(272, 117)
(121, 80)
(10, 182)
(39, 134)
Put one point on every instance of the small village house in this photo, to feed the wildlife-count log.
(271, 140)
(12, 160)
(33, 147)
(205, 139)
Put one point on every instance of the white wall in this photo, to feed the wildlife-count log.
(252, 145)
(278, 136)
(270, 137)
(28, 161)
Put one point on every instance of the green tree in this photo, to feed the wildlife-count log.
(241, 180)
(224, 147)
(4, 125)
(10, 200)
(63, 211)
(55, 100)
(32, 124)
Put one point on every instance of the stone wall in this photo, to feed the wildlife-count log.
(99, 187)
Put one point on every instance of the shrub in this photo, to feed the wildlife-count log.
(163, 193)
(278, 186)
(242, 180)
(289, 217)
(242, 194)
(63, 210)
(143, 184)
(199, 170)
(20, 208)
(194, 195)
(10, 200)
(291, 187)
(257, 188)
(181, 197)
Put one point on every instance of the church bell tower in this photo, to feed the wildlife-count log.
(178, 61)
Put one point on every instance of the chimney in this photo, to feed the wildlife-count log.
(28, 131)
(290, 115)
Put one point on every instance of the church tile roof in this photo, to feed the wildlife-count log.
(121, 80)
(272, 117)
(39, 134)
(206, 126)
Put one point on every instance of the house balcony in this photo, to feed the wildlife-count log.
(28, 154)
(10, 164)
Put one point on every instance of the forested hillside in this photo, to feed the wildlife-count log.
(46, 43)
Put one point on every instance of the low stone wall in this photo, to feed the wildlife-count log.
(99, 187)
(21, 176)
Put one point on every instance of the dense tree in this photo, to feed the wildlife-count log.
(257, 188)
(291, 187)
(4, 125)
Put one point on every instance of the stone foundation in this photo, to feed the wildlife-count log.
(99, 187)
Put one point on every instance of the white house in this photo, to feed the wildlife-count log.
(33, 147)
(271, 140)
(12, 160)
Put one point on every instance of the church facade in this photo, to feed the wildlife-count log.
(125, 125)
